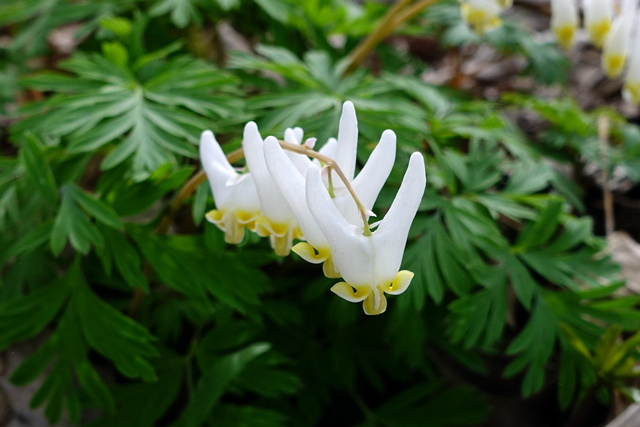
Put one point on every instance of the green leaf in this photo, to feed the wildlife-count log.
(214, 382)
(25, 317)
(533, 347)
(33, 158)
(96, 208)
(143, 404)
(455, 406)
(523, 284)
(115, 336)
(539, 231)
(74, 224)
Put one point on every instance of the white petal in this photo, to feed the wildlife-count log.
(273, 203)
(244, 196)
(347, 146)
(371, 178)
(291, 183)
(391, 235)
(352, 253)
(217, 168)
(329, 148)
(300, 161)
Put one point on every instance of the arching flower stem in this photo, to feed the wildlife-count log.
(302, 149)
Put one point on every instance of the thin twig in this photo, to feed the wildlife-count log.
(412, 11)
(383, 29)
(603, 136)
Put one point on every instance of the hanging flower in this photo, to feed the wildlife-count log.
(277, 220)
(564, 22)
(482, 15)
(616, 43)
(235, 194)
(369, 264)
(631, 88)
(367, 185)
(597, 19)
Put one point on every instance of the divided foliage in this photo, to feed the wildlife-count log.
(129, 325)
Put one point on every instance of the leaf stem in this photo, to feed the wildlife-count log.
(603, 136)
(397, 15)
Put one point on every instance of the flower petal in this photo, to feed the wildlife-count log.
(217, 167)
(347, 147)
(391, 235)
(288, 178)
(273, 203)
(375, 303)
(400, 283)
(350, 293)
(351, 252)
(370, 180)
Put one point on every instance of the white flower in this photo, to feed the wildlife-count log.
(616, 43)
(369, 264)
(277, 220)
(564, 22)
(286, 173)
(631, 88)
(482, 15)
(235, 194)
(367, 185)
(597, 19)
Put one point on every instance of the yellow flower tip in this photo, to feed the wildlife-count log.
(631, 92)
(400, 283)
(565, 34)
(598, 31)
(375, 303)
(281, 244)
(216, 217)
(374, 300)
(329, 269)
(351, 293)
(478, 19)
(311, 254)
(245, 217)
(266, 227)
(232, 223)
(297, 233)
(613, 64)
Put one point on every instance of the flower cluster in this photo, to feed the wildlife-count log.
(288, 191)
(610, 28)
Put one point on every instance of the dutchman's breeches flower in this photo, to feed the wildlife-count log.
(631, 88)
(370, 263)
(235, 194)
(482, 15)
(597, 19)
(277, 220)
(285, 171)
(564, 22)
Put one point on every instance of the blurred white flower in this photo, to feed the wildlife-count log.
(597, 19)
(564, 22)
(631, 88)
(483, 15)
(235, 194)
(616, 44)
(369, 264)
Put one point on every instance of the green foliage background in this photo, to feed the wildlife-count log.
(177, 328)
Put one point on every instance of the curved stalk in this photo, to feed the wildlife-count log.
(398, 14)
